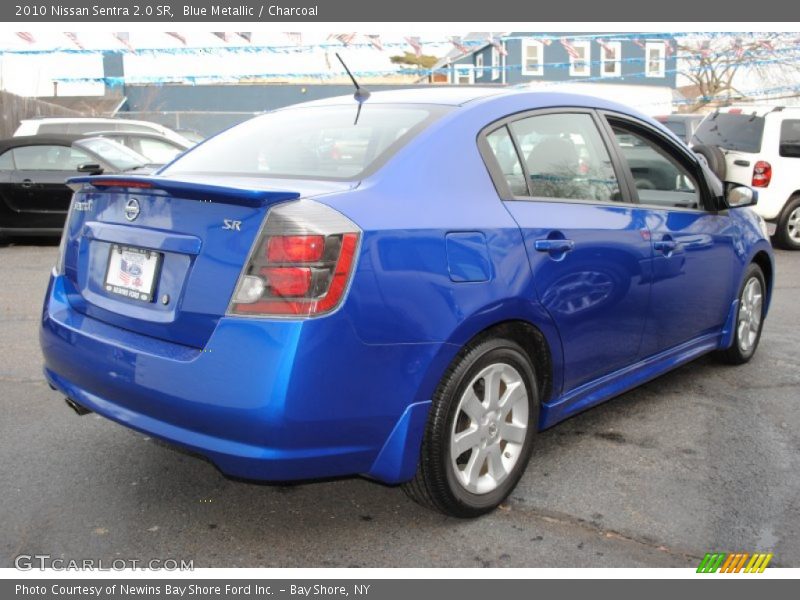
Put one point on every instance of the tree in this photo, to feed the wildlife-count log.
(424, 61)
(713, 63)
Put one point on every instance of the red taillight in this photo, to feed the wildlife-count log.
(295, 248)
(121, 183)
(762, 174)
(287, 282)
(735, 111)
(301, 264)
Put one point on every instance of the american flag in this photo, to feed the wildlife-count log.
(247, 36)
(669, 49)
(124, 39)
(705, 49)
(639, 43)
(604, 45)
(375, 41)
(73, 37)
(177, 36)
(571, 50)
(28, 37)
(766, 44)
(295, 37)
(223, 35)
(456, 41)
(738, 47)
(498, 45)
(344, 38)
(547, 41)
(415, 44)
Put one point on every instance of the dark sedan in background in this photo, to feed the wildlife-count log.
(34, 197)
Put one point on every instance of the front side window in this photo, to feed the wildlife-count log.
(49, 158)
(320, 142)
(566, 158)
(659, 178)
(610, 54)
(580, 57)
(654, 61)
(532, 57)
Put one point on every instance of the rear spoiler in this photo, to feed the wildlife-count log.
(186, 189)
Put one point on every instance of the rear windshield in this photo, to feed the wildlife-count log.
(676, 127)
(740, 132)
(324, 142)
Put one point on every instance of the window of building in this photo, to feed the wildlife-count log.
(495, 63)
(463, 74)
(610, 57)
(580, 63)
(479, 66)
(532, 57)
(655, 59)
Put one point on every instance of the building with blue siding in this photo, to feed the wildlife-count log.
(569, 57)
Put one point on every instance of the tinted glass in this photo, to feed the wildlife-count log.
(659, 178)
(566, 157)
(315, 142)
(790, 138)
(49, 158)
(508, 160)
(118, 156)
(741, 132)
(7, 161)
(676, 127)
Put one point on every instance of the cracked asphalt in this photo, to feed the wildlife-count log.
(706, 458)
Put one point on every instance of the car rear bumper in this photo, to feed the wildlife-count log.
(265, 399)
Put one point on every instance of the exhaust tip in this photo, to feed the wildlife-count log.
(80, 410)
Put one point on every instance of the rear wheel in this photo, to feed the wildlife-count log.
(749, 318)
(480, 431)
(787, 233)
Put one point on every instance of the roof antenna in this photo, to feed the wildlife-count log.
(361, 94)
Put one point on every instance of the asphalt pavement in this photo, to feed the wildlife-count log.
(706, 458)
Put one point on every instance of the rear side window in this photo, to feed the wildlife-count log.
(732, 131)
(325, 142)
(565, 157)
(508, 160)
(7, 161)
(790, 138)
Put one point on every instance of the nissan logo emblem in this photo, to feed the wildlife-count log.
(132, 209)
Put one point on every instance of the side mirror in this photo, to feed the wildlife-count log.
(91, 169)
(741, 195)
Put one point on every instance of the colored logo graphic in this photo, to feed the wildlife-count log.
(743, 562)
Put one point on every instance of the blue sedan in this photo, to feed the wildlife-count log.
(407, 287)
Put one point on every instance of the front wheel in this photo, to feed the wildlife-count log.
(749, 317)
(787, 233)
(480, 431)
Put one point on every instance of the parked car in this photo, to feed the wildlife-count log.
(682, 125)
(34, 196)
(156, 148)
(759, 146)
(85, 125)
(415, 312)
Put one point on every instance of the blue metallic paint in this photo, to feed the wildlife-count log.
(441, 260)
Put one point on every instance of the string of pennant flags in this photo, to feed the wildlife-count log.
(761, 57)
(243, 42)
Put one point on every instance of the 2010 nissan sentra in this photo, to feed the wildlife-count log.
(407, 287)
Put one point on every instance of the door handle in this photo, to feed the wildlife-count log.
(665, 246)
(553, 246)
(26, 183)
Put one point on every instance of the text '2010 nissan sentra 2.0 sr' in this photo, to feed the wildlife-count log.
(407, 287)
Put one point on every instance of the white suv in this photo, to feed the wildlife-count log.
(92, 124)
(761, 148)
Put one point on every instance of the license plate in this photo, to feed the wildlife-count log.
(132, 272)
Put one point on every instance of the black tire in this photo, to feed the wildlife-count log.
(785, 226)
(715, 159)
(737, 354)
(436, 483)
